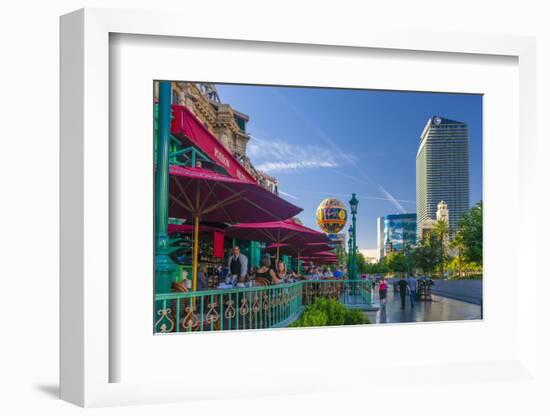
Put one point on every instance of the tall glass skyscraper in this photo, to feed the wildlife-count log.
(442, 170)
(398, 230)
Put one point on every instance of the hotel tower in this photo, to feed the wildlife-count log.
(442, 171)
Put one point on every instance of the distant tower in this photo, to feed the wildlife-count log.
(380, 237)
(389, 245)
(442, 212)
(442, 171)
(443, 215)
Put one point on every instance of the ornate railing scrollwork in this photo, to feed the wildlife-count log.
(251, 308)
(244, 309)
(212, 315)
(162, 324)
(190, 322)
(230, 312)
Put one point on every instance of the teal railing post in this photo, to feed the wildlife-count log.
(164, 266)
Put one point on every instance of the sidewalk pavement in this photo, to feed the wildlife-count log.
(440, 309)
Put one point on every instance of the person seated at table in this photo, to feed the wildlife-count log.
(293, 276)
(338, 273)
(315, 274)
(266, 272)
(281, 271)
(327, 272)
(202, 278)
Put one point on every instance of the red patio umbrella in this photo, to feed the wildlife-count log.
(277, 232)
(299, 250)
(189, 229)
(323, 254)
(200, 194)
(322, 260)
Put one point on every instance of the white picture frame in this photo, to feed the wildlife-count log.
(86, 292)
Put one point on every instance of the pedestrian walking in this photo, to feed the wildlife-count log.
(383, 291)
(411, 280)
(403, 290)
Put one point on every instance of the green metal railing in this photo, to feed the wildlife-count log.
(252, 308)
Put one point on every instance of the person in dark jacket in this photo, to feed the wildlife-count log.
(403, 290)
(238, 266)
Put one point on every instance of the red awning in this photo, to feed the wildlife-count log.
(218, 198)
(186, 124)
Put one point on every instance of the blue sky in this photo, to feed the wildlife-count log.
(322, 142)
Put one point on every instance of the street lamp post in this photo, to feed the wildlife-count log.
(350, 251)
(353, 203)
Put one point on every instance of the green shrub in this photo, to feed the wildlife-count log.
(355, 317)
(329, 312)
(334, 310)
(313, 317)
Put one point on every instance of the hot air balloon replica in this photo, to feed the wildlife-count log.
(331, 215)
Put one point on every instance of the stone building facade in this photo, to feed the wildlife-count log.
(224, 122)
(427, 226)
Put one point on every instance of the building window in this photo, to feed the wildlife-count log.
(241, 123)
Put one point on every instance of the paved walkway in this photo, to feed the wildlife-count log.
(440, 309)
(466, 290)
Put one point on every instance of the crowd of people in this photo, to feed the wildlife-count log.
(237, 273)
(407, 286)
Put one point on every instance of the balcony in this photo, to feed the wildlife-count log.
(259, 307)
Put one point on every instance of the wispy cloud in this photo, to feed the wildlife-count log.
(288, 195)
(320, 133)
(390, 197)
(279, 156)
(376, 198)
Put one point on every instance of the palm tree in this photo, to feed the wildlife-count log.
(441, 231)
(458, 244)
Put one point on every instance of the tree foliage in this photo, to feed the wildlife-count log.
(441, 231)
(431, 254)
(398, 262)
(376, 268)
(426, 256)
(470, 229)
(457, 244)
(361, 262)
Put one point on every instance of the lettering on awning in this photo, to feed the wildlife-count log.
(221, 158)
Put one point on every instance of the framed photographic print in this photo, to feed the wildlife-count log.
(231, 200)
(255, 235)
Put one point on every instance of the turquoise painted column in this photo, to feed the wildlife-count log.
(164, 266)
